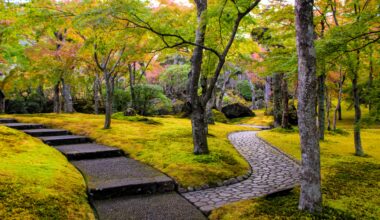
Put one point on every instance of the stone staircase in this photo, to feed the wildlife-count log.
(118, 187)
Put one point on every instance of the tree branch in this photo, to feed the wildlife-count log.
(148, 27)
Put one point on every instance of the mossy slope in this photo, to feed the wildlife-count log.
(37, 182)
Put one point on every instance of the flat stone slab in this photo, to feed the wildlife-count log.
(64, 139)
(23, 126)
(7, 120)
(88, 151)
(168, 206)
(46, 132)
(118, 176)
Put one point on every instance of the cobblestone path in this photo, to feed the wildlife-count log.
(272, 171)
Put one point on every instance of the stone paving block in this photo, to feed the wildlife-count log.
(118, 176)
(88, 151)
(168, 206)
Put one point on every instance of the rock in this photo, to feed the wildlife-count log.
(190, 189)
(130, 112)
(237, 110)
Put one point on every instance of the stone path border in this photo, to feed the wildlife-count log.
(272, 171)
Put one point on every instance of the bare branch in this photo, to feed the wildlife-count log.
(183, 41)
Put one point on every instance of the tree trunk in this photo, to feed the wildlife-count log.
(68, 100)
(56, 99)
(96, 94)
(285, 106)
(131, 85)
(328, 106)
(370, 78)
(277, 108)
(109, 98)
(267, 92)
(321, 106)
(198, 114)
(252, 86)
(2, 102)
(310, 196)
(340, 92)
(356, 96)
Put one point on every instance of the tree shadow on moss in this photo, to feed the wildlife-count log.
(354, 185)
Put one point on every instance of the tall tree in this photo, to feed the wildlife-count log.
(310, 197)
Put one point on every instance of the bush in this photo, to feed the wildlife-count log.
(174, 80)
(32, 102)
(244, 89)
(150, 100)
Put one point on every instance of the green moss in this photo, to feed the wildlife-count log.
(137, 118)
(166, 145)
(37, 182)
(219, 116)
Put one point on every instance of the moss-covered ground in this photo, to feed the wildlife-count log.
(350, 184)
(37, 182)
(164, 143)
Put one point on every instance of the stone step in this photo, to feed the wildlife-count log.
(64, 139)
(118, 176)
(23, 126)
(7, 120)
(167, 206)
(46, 132)
(88, 151)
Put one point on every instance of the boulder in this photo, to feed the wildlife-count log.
(237, 110)
(130, 112)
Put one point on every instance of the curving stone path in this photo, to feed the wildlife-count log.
(272, 171)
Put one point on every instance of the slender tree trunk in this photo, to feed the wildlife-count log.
(310, 197)
(96, 94)
(277, 97)
(56, 99)
(321, 106)
(219, 101)
(68, 100)
(2, 102)
(340, 92)
(328, 106)
(370, 78)
(198, 113)
(355, 90)
(131, 85)
(285, 104)
(109, 98)
(252, 86)
(267, 92)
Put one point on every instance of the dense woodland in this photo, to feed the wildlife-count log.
(196, 60)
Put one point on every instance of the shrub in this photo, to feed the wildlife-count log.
(244, 89)
(150, 100)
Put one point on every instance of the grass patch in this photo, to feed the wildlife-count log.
(137, 118)
(165, 145)
(259, 119)
(37, 182)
